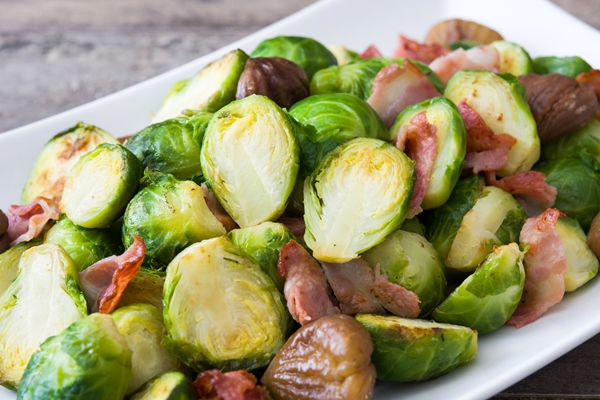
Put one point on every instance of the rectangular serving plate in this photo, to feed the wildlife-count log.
(505, 356)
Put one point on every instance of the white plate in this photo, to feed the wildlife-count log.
(505, 356)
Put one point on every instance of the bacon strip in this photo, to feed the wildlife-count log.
(481, 58)
(104, 282)
(217, 209)
(306, 290)
(426, 53)
(592, 80)
(233, 385)
(360, 289)
(419, 141)
(531, 184)
(371, 52)
(27, 222)
(396, 88)
(545, 266)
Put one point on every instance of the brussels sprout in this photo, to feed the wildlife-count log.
(463, 44)
(584, 142)
(142, 327)
(250, 159)
(451, 146)
(84, 246)
(100, 185)
(513, 58)
(59, 155)
(146, 287)
(44, 299)
(417, 350)
(578, 185)
(582, 264)
(502, 103)
(88, 360)
(211, 89)
(9, 262)
(221, 310)
(311, 55)
(169, 215)
(409, 260)
(413, 225)
(343, 55)
(263, 242)
(358, 195)
(569, 66)
(170, 386)
(487, 298)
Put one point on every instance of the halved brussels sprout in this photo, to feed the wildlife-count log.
(221, 310)
(409, 260)
(358, 195)
(59, 155)
(88, 360)
(146, 287)
(44, 299)
(582, 264)
(84, 246)
(169, 215)
(417, 350)
(211, 89)
(142, 327)
(513, 58)
(502, 103)
(487, 298)
(9, 262)
(100, 185)
(250, 159)
(569, 66)
(311, 55)
(343, 55)
(170, 386)
(584, 142)
(451, 146)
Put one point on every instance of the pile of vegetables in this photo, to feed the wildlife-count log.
(301, 221)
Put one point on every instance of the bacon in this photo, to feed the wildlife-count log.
(27, 222)
(217, 209)
(360, 289)
(545, 265)
(419, 141)
(481, 58)
(592, 80)
(306, 290)
(426, 53)
(104, 282)
(233, 385)
(371, 52)
(531, 184)
(294, 224)
(396, 88)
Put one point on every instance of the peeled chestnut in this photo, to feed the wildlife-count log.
(457, 30)
(593, 236)
(3, 235)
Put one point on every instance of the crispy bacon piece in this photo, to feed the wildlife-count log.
(104, 282)
(294, 224)
(360, 289)
(426, 53)
(306, 290)
(27, 222)
(545, 266)
(592, 80)
(419, 141)
(396, 88)
(371, 52)
(217, 209)
(481, 57)
(233, 385)
(531, 184)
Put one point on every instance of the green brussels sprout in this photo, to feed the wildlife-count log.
(416, 350)
(142, 327)
(236, 320)
(170, 386)
(569, 66)
(451, 146)
(343, 55)
(582, 264)
(409, 260)
(100, 185)
(584, 142)
(413, 225)
(59, 155)
(88, 360)
(213, 88)
(311, 55)
(263, 243)
(578, 184)
(487, 298)
(502, 103)
(513, 58)
(146, 287)
(358, 195)
(44, 299)
(9, 262)
(84, 246)
(250, 159)
(169, 215)
(463, 44)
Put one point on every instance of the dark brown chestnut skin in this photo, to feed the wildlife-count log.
(4, 242)
(559, 104)
(281, 80)
(328, 358)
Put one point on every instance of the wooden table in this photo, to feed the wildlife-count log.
(57, 54)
